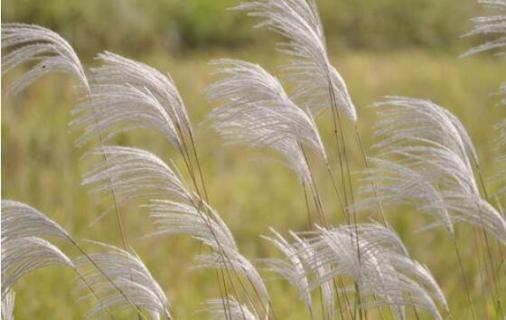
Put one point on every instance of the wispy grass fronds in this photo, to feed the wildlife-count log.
(434, 164)
(397, 185)
(173, 218)
(407, 120)
(23, 249)
(122, 282)
(20, 220)
(205, 225)
(48, 51)
(23, 255)
(490, 26)
(135, 174)
(127, 94)
(298, 21)
(384, 275)
(256, 111)
(8, 302)
(291, 268)
(318, 85)
(307, 255)
(478, 212)
(237, 311)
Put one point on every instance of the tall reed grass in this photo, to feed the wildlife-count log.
(423, 158)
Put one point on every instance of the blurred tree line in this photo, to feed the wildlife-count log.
(180, 25)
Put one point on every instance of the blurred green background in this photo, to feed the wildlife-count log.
(177, 25)
(381, 47)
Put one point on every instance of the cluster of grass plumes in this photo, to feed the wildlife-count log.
(341, 267)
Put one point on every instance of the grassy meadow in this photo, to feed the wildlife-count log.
(42, 167)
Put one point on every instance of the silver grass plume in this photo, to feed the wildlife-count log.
(49, 51)
(205, 225)
(21, 256)
(306, 253)
(23, 226)
(237, 311)
(23, 249)
(405, 120)
(136, 173)
(318, 84)
(396, 185)
(175, 209)
(491, 26)
(8, 305)
(257, 112)
(122, 282)
(126, 94)
(383, 271)
(291, 268)
(20, 220)
(432, 150)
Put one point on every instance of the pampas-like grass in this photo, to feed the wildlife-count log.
(120, 279)
(425, 159)
(257, 111)
(126, 94)
(237, 311)
(23, 247)
(385, 273)
(175, 209)
(8, 302)
(492, 25)
(434, 166)
(51, 53)
(299, 22)
(20, 220)
(381, 271)
(291, 268)
(21, 256)
(136, 174)
(23, 251)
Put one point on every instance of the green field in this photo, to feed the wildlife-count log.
(42, 167)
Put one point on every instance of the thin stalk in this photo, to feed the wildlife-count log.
(206, 197)
(381, 212)
(336, 190)
(466, 285)
(199, 167)
(341, 167)
(325, 312)
(226, 259)
(122, 229)
(487, 243)
(236, 275)
(338, 127)
(81, 277)
(183, 150)
(88, 257)
(308, 209)
(316, 194)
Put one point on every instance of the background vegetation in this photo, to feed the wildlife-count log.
(380, 46)
(175, 25)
